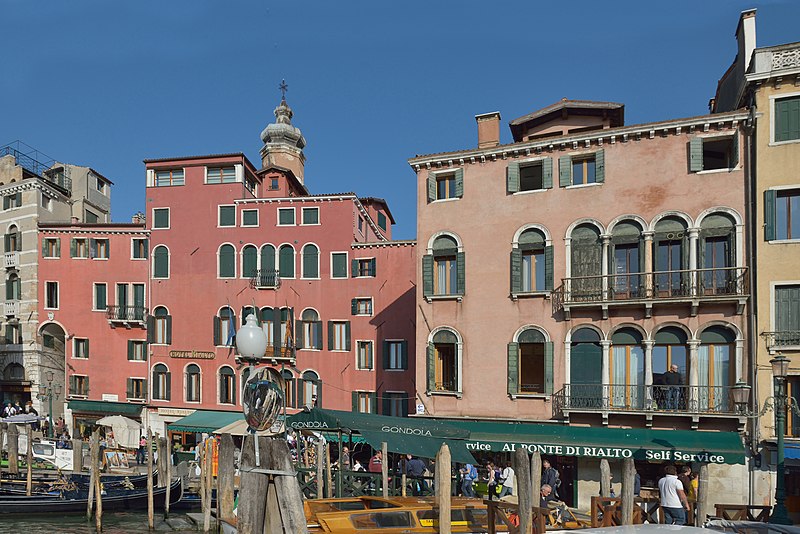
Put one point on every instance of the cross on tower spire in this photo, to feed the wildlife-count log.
(283, 87)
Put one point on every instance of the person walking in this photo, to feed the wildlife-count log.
(415, 470)
(491, 481)
(140, 458)
(551, 477)
(673, 498)
(468, 475)
(507, 478)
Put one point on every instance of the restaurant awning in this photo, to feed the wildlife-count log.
(105, 408)
(204, 421)
(611, 443)
(420, 437)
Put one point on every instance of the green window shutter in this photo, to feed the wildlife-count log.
(58, 247)
(404, 354)
(73, 248)
(298, 334)
(600, 166)
(19, 241)
(516, 270)
(129, 388)
(318, 330)
(44, 248)
(431, 187)
(6, 202)
(277, 339)
(373, 267)
(169, 330)
(513, 368)
(354, 268)
(87, 348)
(787, 119)
(347, 336)
(564, 171)
(72, 387)
(459, 183)
(169, 386)
(431, 367)
(512, 178)
(404, 407)
(547, 173)
(548, 267)
(92, 248)
(735, 150)
(353, 306)
(330, 335)
(130, 350)
(548, 368)
(319, 393)
(386, 404)
(385, 354)
(460, 273)
(770, 197)
(373, 402)
(696, 154)
(216, 331)
(151, 329)
(19, 199)
(9, 289)
(354, 396)
(427, 275)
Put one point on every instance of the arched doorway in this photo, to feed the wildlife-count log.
(586, 369)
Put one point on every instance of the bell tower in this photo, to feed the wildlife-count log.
(283, 143)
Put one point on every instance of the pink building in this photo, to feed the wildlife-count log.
(93, 310)
(333, 292)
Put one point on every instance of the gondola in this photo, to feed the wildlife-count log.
(75, 501)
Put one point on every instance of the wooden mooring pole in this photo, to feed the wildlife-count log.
(225, 478)
(13, 450)
(93, 445)
(443, 489)
(628, 477)
(522, 470)
(149, 451)
(29, 460)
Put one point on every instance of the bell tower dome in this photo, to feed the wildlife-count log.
(283, 143)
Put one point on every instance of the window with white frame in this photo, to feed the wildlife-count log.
(79, 385)
(192, 381)
(51, 295)
(161, 382)
(139, 248)
(81, 348)
(339, 335)
(160, 218)
(227, 216)
(338, 264)
(98, 249)
(249, 217)
(100, 296)
(220, 175)
(787, 119)
(310, 335)
(79, 247)
(361, 306)
(169, 177)
(136, 388)
(395, 355)
(310, 216)
(286, 217)
(137, 350)
(365, 357)
(365, 402)
(51, 247)
(227, 386)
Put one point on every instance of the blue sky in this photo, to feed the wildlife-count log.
(108, 84)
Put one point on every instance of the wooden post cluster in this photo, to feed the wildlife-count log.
(628, 479)
(536, 474)
(225, 478)
(522, 470)
(443, 489)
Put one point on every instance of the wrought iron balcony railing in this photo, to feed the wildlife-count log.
(644, 399)
(127, 314)
(265, 279)
(785, 338)
(662, 285)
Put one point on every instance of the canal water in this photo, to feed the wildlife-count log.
(113, 523)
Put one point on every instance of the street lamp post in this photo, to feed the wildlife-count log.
(50, 391)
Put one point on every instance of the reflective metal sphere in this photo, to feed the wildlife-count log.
(263, 398)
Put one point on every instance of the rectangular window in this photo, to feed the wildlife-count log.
(365, 356)
(273, 184)
(445, 279)
(365, 401)
(160, 218)
(139, 249)
(531, 177)
(250, 185)
(445, 186)
(98, 248)
(136, 388)
(79, 385)
(340, 333)
(382, 221)
(100, 297)
(787, 119)
(533, 270)
(220, 175)
(47, 202)
(100, 185)
(361, 224)
(338, 264)
(169, 177)
(137, 350)
(395, 357)
(362, 306)
(79, 247)
(718, 153)
(249, 217)
(583, 170)
(12, 201)
(81, 348)
(310, 215)
(531, 368)
(285, 216)
(51, 295)
(787, 214)
(365, 267)
(227, 216)
(395, 404)
(51, 247)
(91, 218)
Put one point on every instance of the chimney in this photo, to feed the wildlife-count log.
(746, 36)
(488, 129)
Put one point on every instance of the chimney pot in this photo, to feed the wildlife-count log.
(488, 129)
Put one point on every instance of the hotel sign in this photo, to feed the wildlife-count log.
(192, 354)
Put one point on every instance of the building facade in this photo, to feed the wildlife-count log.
(596, 256)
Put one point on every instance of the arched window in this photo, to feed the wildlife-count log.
(626, 259)
(14, 371)
(268, 258)
(310, 261)
(224, 327)
(715, 368)
(443, 362)
(586, 368)
(309, 336)
(227, 261)
(670, 350)
(13, 287)
(286, 261)
(717, 255)
(192, 383)
(289, 388)
(530, 364)
(626, 363)
(160, 262)
(227, 386)
(443, 270)
(586, 260)
(311, 392)
(161, 382)
(161, 326)
(671, 257)
(245, 378)
(249, 261)
(267, 324)
(531, 263)
(13, 239)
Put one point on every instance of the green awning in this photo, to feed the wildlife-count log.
(204, 421)
(105, 407)
(417, 446)
(611, 443)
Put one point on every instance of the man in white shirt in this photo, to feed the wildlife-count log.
(673, 498)
(508, 481)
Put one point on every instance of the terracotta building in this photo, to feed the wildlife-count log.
(596, 256)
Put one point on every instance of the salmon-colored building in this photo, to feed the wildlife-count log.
(595, 257)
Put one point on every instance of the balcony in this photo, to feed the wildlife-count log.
(11, 308)
(692, 286)
(127, 315)
(644, 399)
(265, 279)
(785, 340)
(11, 260)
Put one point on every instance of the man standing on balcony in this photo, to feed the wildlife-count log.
(673, 380)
